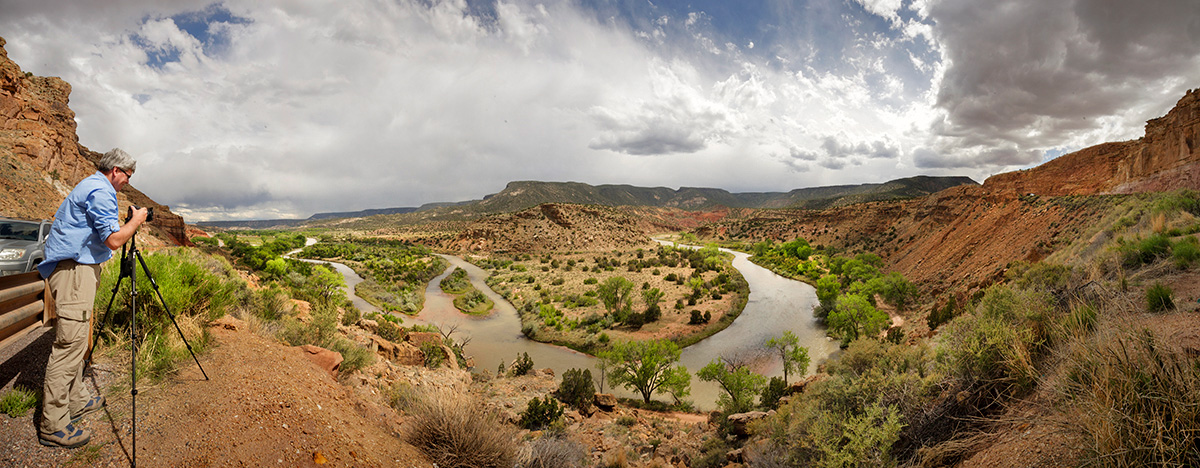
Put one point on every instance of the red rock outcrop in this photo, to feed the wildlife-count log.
(40, 155)
(329, 361)
(1167, 157)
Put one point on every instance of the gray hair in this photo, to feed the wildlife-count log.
(117, 158)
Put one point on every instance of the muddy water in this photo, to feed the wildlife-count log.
(776, 304)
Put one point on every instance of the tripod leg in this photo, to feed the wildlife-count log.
(146, 270)
(100, 324)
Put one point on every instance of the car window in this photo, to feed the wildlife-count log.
(18, 230)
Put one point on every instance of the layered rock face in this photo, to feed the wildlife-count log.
(1166, 158)
(40, 155)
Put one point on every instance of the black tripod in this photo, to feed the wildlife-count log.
(129, 270)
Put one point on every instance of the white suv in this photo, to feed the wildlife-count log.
(22, 245)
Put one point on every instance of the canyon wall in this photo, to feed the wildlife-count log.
(40, 155)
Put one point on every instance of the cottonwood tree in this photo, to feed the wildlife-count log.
(616, 295)
(647, 367)
(794, 356)
(326, 282)
(828, 287)
(652, 297)
(739, 383)
(854, 316)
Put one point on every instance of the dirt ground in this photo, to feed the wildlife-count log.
(288, 413)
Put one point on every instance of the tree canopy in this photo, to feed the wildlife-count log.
(647, 367)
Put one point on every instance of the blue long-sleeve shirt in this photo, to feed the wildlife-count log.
(83, 222)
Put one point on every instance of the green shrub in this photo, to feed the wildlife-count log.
(1185, 252)
(775, 389)
(350, 315)
(738, 383)
(204, 241)
(577, 388)
(521, 366)
(319, 331)
(457, 432)
(939, 316)
(271, 303)
(434, 354)
(354, 356)
(1144, 251)
(401, 396)
(17, 401)
(389, 331)
(1158, 298)
(456, 282)
(540, 412)
(859, 440)
(998, 342)
(194, 287)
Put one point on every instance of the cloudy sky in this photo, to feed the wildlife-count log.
(275, 109)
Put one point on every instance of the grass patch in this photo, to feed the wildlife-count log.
(1158, 298)
(1133, 400)
(17, 401)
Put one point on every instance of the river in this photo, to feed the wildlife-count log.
(776, 304)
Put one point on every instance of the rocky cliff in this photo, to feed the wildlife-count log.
(40, 155)
(1167, 157)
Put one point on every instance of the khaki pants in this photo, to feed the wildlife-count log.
(65, 392)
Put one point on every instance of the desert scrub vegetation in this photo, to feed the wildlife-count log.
(198, 288)
(456, 282)
(1139, 231)
(453, 431)
(466, 298)
(195, 287)
(1131, 396)
(857, 413)
(574, 299)
(395, 272)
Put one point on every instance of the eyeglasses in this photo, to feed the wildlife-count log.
(127, 174)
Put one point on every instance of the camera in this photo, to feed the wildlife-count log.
(149, 213)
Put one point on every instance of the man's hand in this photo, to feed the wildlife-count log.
(136, 218)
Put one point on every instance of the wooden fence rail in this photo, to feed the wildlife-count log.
(24, 305)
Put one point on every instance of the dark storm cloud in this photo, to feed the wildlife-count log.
(210, 183)
(1027, 74)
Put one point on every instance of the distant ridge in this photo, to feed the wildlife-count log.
(520, 195)
(524, 194)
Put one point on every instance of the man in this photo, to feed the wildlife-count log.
(84, 234)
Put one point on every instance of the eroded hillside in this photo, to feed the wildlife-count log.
(40, 155)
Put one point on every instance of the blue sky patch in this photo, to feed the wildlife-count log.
(208, 26)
